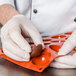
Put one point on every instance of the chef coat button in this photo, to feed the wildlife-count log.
(35, 10)
(74, 19)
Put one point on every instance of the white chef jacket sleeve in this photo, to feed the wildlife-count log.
(11, 2)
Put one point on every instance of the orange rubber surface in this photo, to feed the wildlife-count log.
(52, 44)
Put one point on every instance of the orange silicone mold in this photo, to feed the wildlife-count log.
(52, 44)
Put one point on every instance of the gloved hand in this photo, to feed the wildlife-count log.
(13, 43)
(68, 60)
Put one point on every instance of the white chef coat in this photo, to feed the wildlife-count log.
(51, 17)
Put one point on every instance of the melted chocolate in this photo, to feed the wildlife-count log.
(36, 51)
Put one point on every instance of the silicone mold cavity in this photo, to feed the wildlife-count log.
(62, 36)
(42, 60)
(57, 36)
(68, 33)
(55, 47)
(55, 41)
(47, 39)
(46, 43)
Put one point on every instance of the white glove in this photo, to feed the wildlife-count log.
(69, 58)
(13, 43)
